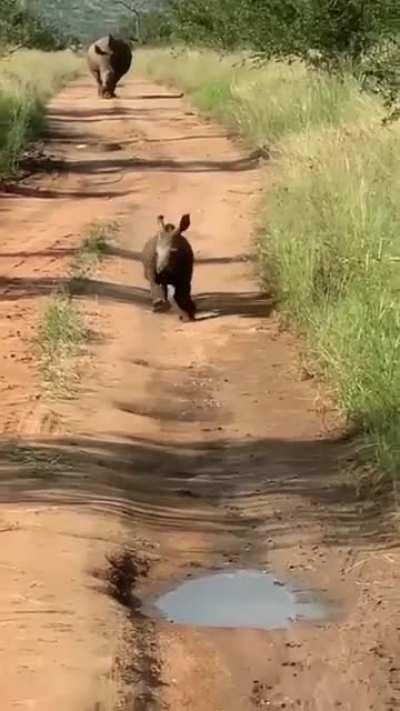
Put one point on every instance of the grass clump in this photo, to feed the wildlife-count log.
(62, 335)
(93, 249)
(330, 241)
(28, 79)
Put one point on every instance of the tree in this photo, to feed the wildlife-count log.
(20, 26)
(130, 6)
(360, 34)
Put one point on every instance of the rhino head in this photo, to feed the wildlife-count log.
(106, 52)
(165, 240)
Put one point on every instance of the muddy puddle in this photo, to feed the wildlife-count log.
(250, 599)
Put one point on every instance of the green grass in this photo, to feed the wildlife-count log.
(267, 104)
(28, 79)
(94, 247)
(330, 241)
(62, 336)
(63, 333)
(331, 247)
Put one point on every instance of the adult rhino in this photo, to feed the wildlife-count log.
(109, 59)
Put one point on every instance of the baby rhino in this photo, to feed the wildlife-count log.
(168, 261)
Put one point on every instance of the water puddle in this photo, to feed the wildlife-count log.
(240, 598)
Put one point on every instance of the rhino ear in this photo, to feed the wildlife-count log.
(184, 223)
(98, 50)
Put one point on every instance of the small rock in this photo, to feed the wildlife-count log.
(305, 374)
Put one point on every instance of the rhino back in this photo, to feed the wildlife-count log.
(121, 56)
(96, 60)
(117, 57)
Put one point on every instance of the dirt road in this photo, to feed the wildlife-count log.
(191, 446)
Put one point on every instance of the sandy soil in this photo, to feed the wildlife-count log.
(192, 446)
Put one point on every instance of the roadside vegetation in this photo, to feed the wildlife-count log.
(96, 245)
(28, 79)
(63, 333)
(62, 337)
(329, 239)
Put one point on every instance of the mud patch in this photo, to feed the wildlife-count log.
(137, 668)
(241, 598)
(122, 575)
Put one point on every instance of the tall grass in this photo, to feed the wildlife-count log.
(331, 239)
(265, 104)
(27, 81)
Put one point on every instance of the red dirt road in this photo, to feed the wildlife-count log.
(193, 446)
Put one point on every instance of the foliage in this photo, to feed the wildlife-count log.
(381, 74)
(91, 19)
(328, 34)
(156, 27)
(22, 27)
(27, 80)
(287, 27)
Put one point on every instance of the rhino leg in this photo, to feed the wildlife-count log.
(97, 77)
(159, 297)
(109, 84)
(184, 302)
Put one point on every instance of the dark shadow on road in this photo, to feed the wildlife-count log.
(140, 97)
(18, 190)
(250, 304)
(102, 111)
(116, 165)
(203, 136)
(25, 288)
(51, 253)
(135, 256)
(122, 253)
(245, 304)
(195, 486)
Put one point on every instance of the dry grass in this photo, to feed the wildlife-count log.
(27, 81)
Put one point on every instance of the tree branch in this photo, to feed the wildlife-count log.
(134, 11)
(129, 7)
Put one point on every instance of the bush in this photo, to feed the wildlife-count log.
(328, 34)
(21, 26)
(336, 28)
(381, 74)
